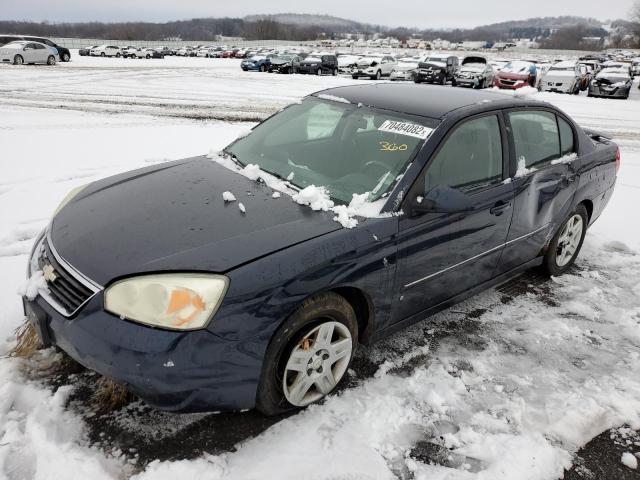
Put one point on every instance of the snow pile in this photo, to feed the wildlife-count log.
(522, 170)
(242, 207)
(39, 437)
(33, 285)
(252, 171)
(629, 460)
(275, 195)
(228, 196)
(315, 197)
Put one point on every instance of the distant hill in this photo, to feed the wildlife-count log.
(306, 20)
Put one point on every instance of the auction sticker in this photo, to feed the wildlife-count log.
(403, 128)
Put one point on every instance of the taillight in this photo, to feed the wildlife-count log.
(617, 160)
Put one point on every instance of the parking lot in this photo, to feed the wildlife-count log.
(518, 378)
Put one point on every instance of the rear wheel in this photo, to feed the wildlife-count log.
(309, 355)
(118, 55)
(567, 242)
(103, 54)
(18, 60)
(51, 60)
(263, 68)
(355, 77)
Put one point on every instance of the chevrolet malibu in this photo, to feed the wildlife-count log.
(158, 279)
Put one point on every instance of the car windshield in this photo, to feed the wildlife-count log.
(436, 59)
(516, 67)
(565, 68)
(283, 58)
(340, 146)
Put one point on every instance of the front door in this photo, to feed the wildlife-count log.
(444, 253)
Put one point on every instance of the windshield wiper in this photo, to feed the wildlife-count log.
(234, 158)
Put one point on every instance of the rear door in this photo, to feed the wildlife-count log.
(544, 164)
(444, 254)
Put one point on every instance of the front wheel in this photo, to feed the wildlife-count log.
(263, 68)
(334, 72)
(18, 60)
(66, 57)
(51, 60)
(103, 54)
(567, 242)
(378, 75)
(319, 72)
(309, 355)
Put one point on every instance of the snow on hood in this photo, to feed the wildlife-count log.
(435, 63)
(316, 197)
(560, 74)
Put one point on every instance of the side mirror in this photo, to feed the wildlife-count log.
(441, 199)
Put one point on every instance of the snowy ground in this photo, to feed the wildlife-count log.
(507, 385)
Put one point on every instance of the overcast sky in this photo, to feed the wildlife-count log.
(418, 13)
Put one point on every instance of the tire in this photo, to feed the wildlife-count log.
(263, 68)
(417, 80)
(18, 60)
(378, 75)
(323, 313)
(118, 55)
(443, 80)
(481, 85)
(319, 72)
(103, 54)
(454, 82)
(147, 56)
(65, 57)
(334, 72)
(355, 77)
(565, 244)
(51, 60)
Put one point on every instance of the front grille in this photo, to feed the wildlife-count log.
(67, 291)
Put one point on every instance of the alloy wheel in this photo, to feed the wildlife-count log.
(317, 363)
(569, 240)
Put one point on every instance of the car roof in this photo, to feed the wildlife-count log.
(425, 100)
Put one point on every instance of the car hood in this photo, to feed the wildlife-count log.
(172, 217)
(560, 75)
(513, 76)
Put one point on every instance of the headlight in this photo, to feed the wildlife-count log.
(184, 301)
(68, 198)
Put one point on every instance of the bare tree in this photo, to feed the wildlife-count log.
(635, 19)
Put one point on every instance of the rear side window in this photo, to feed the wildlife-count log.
(470, 159)
(535, 137)
(566, 137)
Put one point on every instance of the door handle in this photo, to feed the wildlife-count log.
(499, 208)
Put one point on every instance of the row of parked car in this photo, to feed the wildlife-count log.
(21, 49)
(600, 76)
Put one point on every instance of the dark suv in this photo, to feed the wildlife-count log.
(65, 54)
(437, 69)
(319, 64)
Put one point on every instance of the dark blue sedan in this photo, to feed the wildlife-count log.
(159, 281)
(258, 63)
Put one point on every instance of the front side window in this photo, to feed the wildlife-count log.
(470, 159)
(536, 138)
(340, 146)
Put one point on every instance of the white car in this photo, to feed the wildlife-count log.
(565, 77)
(347, 63)
(406, 68)
(106, 51)
(184, 52)
(374, 67)
(21, 52)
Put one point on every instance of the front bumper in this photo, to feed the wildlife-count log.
(510, 84)
(429, 76)
(556, 87)
(617, 92)
(176, 371)
(468, 82)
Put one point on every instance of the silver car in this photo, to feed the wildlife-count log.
(22, 51)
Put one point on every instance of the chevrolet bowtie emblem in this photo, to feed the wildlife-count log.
(49, 273)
